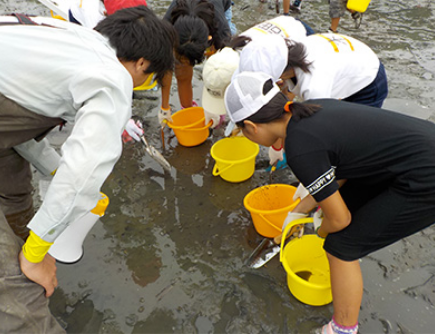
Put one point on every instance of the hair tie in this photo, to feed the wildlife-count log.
(287, 106)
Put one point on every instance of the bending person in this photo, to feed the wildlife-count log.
(203, 27)
(89, 83)
(369, 169)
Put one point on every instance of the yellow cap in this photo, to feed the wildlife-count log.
(149, 83)
(101, 205)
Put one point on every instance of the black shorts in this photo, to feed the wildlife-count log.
(380, 217)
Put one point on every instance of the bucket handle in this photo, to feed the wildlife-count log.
(217, 172)
(288, 228)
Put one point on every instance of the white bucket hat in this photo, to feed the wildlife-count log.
(244, 96)
(268, 54)
(216, 74)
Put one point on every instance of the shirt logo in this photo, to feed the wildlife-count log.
(322, 182)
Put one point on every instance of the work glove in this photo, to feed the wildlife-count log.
(301, 192)
(292, 216)
(216, 119)
(133, 130)
(275, 155)
(164, 114)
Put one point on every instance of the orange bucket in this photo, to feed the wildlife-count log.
(269, 206)
(189, 126)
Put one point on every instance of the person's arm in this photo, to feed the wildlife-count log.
(184, 75)
(336, 215)
(166, 90)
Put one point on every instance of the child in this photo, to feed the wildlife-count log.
(370, 170)
(203, 28)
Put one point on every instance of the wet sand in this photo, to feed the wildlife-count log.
(168, 256)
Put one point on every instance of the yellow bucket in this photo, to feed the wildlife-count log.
(358, 5)
(269, 206)
(189, 126)
(307, 267)
(235, 158)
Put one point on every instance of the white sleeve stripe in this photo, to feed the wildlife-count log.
(324, 180)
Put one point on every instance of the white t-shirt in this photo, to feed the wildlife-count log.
(70, 72)
(285, 26)
(88, 12)
(340, 67)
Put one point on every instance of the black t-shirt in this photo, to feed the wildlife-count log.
(356, 142)
(223, 31)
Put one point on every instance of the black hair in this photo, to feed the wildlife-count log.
(275, 108)
(297, 56)
(239, 42)
(194, 21)
(193, 38)
(297, 53)
(136, 33)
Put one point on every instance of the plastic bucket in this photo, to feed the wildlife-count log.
(307, 267)
(235, 158)
(358, 5)
(189, 126)
(269, 206)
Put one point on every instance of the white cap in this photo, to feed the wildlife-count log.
(244, 96)
(216, 75)
(268, 54)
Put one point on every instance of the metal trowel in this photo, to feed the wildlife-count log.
(156, 155)
(268, 248)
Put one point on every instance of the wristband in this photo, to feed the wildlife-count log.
(165, 109)
(35, 248)
(277, 149)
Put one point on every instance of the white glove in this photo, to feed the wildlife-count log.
(216, 119)
(275, 155)
(134, 130)
(292, 216)
(317, 219)
(301, 192)
(164, 114)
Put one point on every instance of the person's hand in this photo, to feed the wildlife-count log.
(164, 114)
(42, 273)
(275, 155)
(216, 119)
(133, 130)
(292, 216)
(301, 192)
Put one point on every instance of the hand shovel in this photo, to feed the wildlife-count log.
(268, 248)
(156, 155)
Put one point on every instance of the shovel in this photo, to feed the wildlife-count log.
(156, 155)
(268, 248)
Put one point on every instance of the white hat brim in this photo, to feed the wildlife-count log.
(212, 104)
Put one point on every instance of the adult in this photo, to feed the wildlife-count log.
(203, 27)
(72, 74)
(369, 169)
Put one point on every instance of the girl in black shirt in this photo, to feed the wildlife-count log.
(372, 172)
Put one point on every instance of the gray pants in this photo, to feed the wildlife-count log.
(23, 305)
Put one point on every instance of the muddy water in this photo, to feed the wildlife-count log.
(168, 256)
